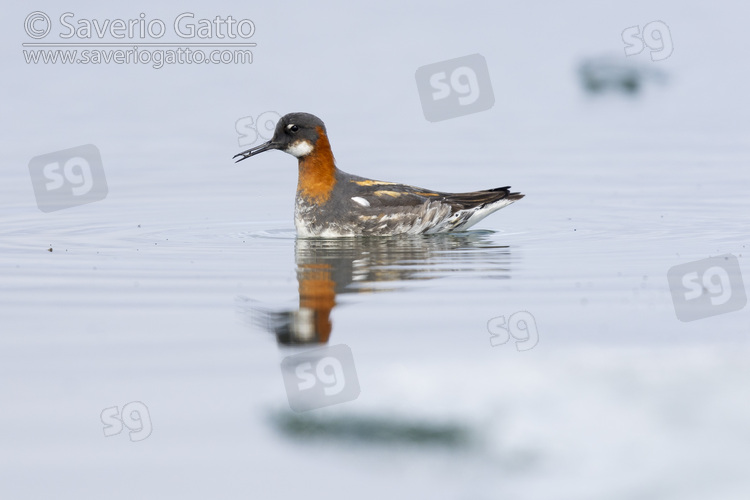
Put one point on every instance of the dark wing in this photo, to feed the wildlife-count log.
(387, 194)
(377, 207)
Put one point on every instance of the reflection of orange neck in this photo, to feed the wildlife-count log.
(317, 172)
(317, 291)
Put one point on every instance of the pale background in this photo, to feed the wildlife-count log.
(139, 299)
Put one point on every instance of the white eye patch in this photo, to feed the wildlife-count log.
(299, 148)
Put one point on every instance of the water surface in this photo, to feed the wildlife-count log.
(186, 287)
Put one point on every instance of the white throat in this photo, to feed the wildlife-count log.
(299, 148)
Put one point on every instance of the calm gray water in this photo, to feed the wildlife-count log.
(183, 290)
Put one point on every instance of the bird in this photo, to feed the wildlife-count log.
(331, 203)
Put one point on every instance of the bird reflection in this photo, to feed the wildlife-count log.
(328, 268)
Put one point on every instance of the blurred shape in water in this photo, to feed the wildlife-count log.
(374, 430)
(617, 74)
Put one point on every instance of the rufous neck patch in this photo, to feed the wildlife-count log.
(317, 172)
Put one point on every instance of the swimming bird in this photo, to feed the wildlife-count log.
(333, 203)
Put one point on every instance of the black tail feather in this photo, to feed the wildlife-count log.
(479, 199)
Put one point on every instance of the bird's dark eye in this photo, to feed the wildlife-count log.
(293, 128)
